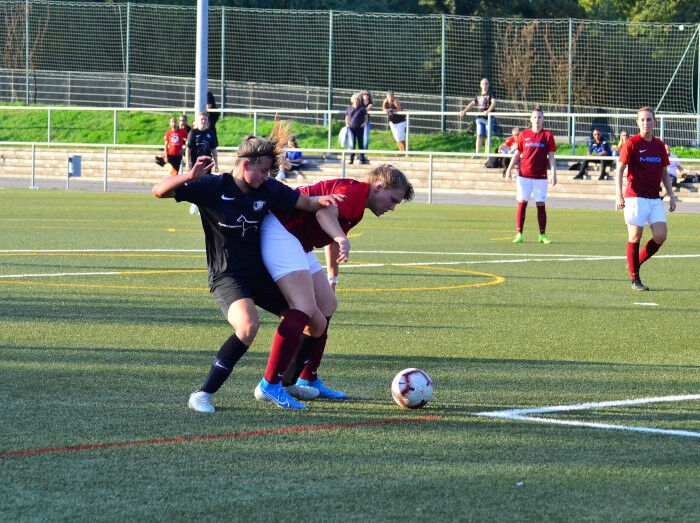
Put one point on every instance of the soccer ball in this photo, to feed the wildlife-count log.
(412, 388)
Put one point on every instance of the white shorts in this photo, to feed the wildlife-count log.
(531, 187)
(640, 211)
(398, 130)
(282, 252)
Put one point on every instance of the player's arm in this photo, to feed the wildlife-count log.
(332, 253)
(328, 220)
(166, 187)
(316, 203)
(668, 185)
(553, 166)
(619, 173)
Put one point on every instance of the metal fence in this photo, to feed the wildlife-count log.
(140, 55)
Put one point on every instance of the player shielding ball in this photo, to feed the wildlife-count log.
(645, 159)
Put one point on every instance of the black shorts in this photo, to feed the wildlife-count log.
(261, 289)
(175, 161)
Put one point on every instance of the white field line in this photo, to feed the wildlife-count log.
(504, 258)
(527, 415)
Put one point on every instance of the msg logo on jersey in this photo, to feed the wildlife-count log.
(650, 159)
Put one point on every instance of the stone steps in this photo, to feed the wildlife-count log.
(448, 174)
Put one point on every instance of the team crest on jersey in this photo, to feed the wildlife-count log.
(258, 204)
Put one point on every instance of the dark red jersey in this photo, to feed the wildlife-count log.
(534, 148)
(645, 165)
(305, 226)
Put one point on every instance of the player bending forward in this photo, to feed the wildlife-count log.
(288, 240)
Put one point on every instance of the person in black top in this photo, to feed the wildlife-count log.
(201, 141)
(356, 118)
(232, 207)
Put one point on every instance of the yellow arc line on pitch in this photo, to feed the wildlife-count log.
(495, 279)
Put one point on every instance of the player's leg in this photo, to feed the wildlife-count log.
(243, 317)
(523, 191)
(327, 303)
(659, 230)
(636, 212)
(540, 188)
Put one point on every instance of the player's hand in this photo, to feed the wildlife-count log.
(202, 166)
(509, 176)
(620, 204)
(330, 199)
(554, 179)
(672, 204)
(344, 248)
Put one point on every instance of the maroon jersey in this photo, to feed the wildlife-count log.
(534, 148)
(305, 226)
(645, 165)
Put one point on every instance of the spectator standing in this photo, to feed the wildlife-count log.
(646, 161)
(175, 139)
(356, 119)
(598, 147)
(369, 105)
(397, 122)
(535, 149)
(201, 142)
(182, 123)
(484, 102)
(213, 115)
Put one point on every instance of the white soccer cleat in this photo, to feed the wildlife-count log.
(194, 209)
(302, 392)
(200, 401)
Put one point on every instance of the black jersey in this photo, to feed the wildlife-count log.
(200, 143)
(231, 220)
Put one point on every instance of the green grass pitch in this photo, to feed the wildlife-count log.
(106, 326)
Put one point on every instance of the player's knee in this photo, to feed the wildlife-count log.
(246, 331)
(660, 237)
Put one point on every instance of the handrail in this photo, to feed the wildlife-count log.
(329, 114)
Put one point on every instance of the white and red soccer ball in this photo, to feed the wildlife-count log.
(412, 388)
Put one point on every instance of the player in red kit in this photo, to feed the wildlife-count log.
(288, 240)
(645, 159)
(534, 152)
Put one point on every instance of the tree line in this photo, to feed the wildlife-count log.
(663, 11)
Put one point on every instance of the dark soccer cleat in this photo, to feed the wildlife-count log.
(637, 285)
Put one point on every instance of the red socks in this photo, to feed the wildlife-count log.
(650, 248)
(285, 344)
(633, 259)
(542, 218)
(310, 372)
(520, 216)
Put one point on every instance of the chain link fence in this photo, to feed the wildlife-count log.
(139, 55)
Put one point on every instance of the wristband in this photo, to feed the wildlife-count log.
(332, 279)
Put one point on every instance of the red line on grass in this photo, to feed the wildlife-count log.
(94, 446)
